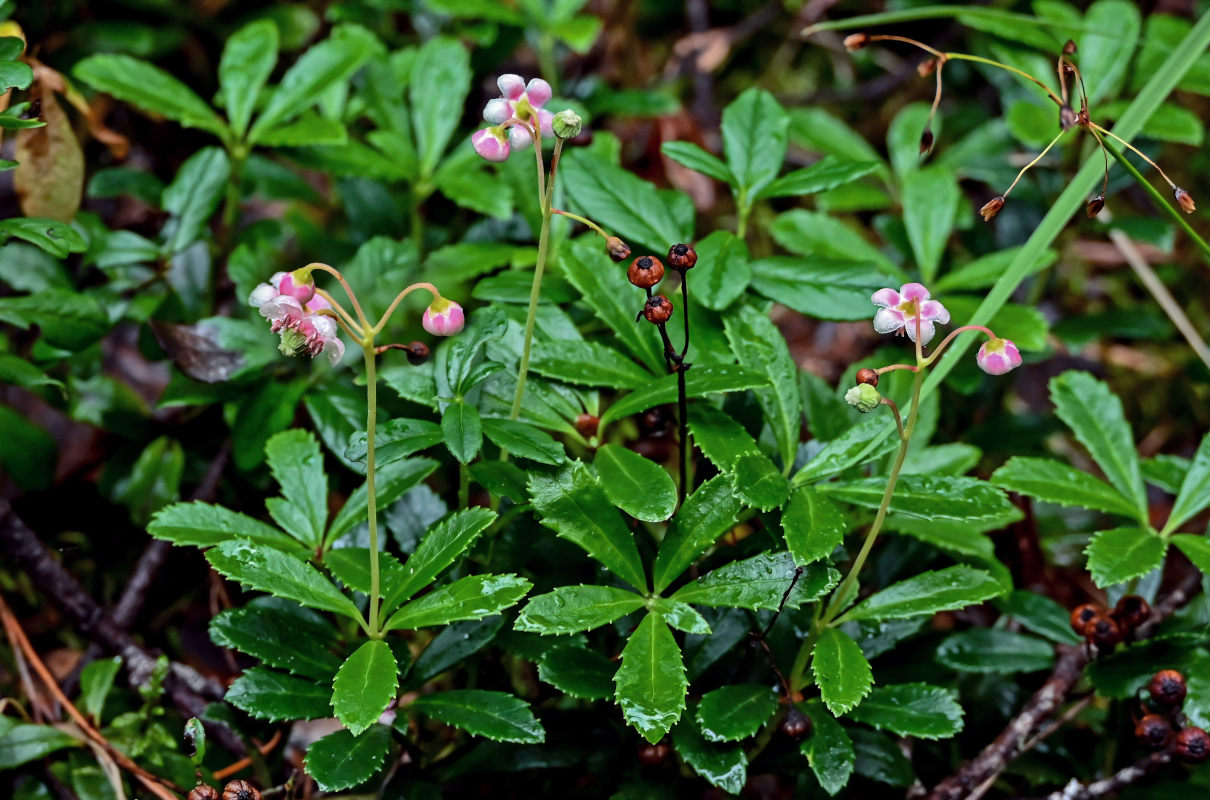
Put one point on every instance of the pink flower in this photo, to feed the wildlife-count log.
(998, 356)
(298, 321)
(299, 290)
(443, 317)
(520, 101)
(900, 311)
(321, 336)
(491, 143)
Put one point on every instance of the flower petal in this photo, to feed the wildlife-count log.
(546, 120)
(335, 350)
(885, 297)
(913, 291)
(888, 320)
(489, 145)
(519, 138)
(538, 91)
(497, 111)
(931, 309)
(926, 330)
(262, 294)
(511, 86)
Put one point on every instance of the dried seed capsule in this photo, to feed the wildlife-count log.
(1192, 745)
(867, 375)
(1103, 632)
(240, 790)
(1069, 48)
(645, 272)
(1184, 200)
(1153, 732)
(1131, 611)
(1084, 614)
(991, 208)
(418, 353)
(796, 724)
(926, 67)
(1067, 117)
(587, 424)
(202, 792)
(682, 256)
(926, 141)
(856, 41)
(1095, 205)
(658, 310)
(617, 249)
(654, 754)
(1168, 688)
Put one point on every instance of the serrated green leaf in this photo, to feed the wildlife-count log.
(720, 438)
(679, 615)
(341, 760)
(723, 766)
(828, 750)
(275, 696)
(55, 237)
(637, 485)
(578, 672)
(758, 482)
(722, 272)
(204, 525)
(395, 440)
(587, 364)
(441, 546)
(825, 288)
(364, 686)
(759, 582)
(911, 709)
(1041, 615)
(473, 597)
(695, 158)
(651, 684)
(758, 343)
(265, 569)
(706, 514)
(494, 715)
(271, 632)
(462, 430)
(571, 609)
(621, 202)
(193, 196)
(1194, 494)
(1055, 482)
(297, 466)
(1195, 548)
(927, 593)
(825, 174)
(150, 88)
(880, 759)
(930, 209)
(841, 671)
(392, 481)
(735, 712)
(996, 651)
(812, 524)
(1120, 554)
(754, 139)
(524, 440)
(247, 61)
(861, 443)
(1122, 674)
(928, 496)
(702, 380)
(438, 99)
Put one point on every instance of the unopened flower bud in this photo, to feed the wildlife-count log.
(856, 41)
(645, 272)
(1069, 48)
(863, 397)
(998, 356)
(1083, 615)
(1153, 732)
(991, 208)
(443, 317)
(1192, 745)
(1185, 200)
(617, 249)
(658, 309)
(926, 141)
(567, 124)
(1168, 688)
(1095, 205)
(298, 284)
(682, 256)
(1131, 611)
(867, 375)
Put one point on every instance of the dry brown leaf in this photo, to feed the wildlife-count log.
(50, 175)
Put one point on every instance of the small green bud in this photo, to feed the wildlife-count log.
(292, 342)
(567, 124)
(863, 397)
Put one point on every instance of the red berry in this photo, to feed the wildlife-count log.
(1168, 688)
(658, 310)
(682, 256)
(645, 272)
(1083, 615)
(1192, 745)
(1153, 732)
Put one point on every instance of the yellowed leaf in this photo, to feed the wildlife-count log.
(50, 176)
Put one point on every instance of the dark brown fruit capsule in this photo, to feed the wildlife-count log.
(586, 425)
(682, 256)
(991, 208)
(1103, 632)
(796, 724)
(658, 310)
(418, 353)
(1083, 615)
(240, 790)
(1069, 48)
(1067, 117)
(203, 793)
(645, 272)
(926, 67)
(1168, 688)
(1095, 205)
(617, 249)
(654, 754)
(926, 141)
(856, 41)
(1192, 745)
(1153, 732)
(1131, 611)
(867, 375)
(1185, 200)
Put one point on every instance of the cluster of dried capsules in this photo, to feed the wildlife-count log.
(1162, 724)
(647, 271)
(235, 790)
(1104, 628)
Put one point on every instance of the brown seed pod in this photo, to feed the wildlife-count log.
(654, 754)
(1153, 732)
(926, 141)
(867, 375)
(202, 792)
(1069, 48)
(1084, 614)
(1067, 117)
(1168, 688)
(1103, 632)
(796, 724)
(645, 272)
(926, 67)
(658, 310)
(991, 208)
(587, 424)
(617, 249)
(1185, 200)
(682, 256)
(1131, 611)
(1192, 745)
(1095, 205)
(856, 41)
(418, 353)
(240, 790)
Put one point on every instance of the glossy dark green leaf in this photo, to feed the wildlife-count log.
(524, 440)
(154, 481)
(759, 582)
(841, 671)
(880, 759)
(1117, 24)
(441, 546)
(365, 685)
(203, 525)
(707, 514)
(759, 345)
(148, 87)
(724, 766)
(702, 380)
(928, 496)
(265, 569)
(758, 482)
(473, 597)
(1041, 615)
(193, 196)
(622, 203)
(587, 364)
(570, 609)
(67, 320)
(494, 715)
(754, 140)
(275, 696)
(271, 632)
(733, 713)
(96, 680)
(911, 709)
(637, 485)
(1120, 675)
(297, 466)
(865, 441)
(395, 440)
(983, 272)
(927, 593)
(392, 481)
(651, 684)
(463, 431)
(720, 438)
(455, 643)
(1194, 494)
(1055, 482)
(722, 272)
(1195, 548)
(27, 742)
(247, 61)
(828, 749)
(578, 672)
(827, 173)
(819, 286)
(930, 209)
(996, 651)
(55, 237)
(680, 615)
(695, 158)
(812, 524)
(437, 100)
(1120, 554)
(341, 760)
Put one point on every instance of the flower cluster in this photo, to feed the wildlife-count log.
(515, 115)
(295, 312)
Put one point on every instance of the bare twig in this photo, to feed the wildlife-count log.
(1107, 786)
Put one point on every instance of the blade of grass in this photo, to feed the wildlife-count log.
(1161, 201)
(935, 12)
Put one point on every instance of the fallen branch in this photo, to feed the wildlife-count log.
(1107, 786)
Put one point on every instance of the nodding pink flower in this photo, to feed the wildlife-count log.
(491, 143)
(282, 311)
(301, 327)
(443, 317)
(300, 290)
(520, 101)
(998, 356)
(321, 336)
(900, 311)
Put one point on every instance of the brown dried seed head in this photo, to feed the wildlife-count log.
(418, 353)
(1067, 117)
(1095, 205)
(1069, 49)
(926, 67)
(682, 256)
(645, 272)
(1192, 745)
(203, 793)
(856, 41)
(1168, 688)
(1131, 611)
(658, 310)
(926, 141)
(1153, 732)
(1103, 632)
(867, 375)
(1185, 200)
(617, 249)
(240, 790)
(991, 208)
(1084, 614)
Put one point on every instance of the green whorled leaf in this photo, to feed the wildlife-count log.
(904, 136)
(831, 242)
(983, 272)
(587, 364)
(572, 503)
(812, 525)
(722, 272)
(1194, 494)
(1122, 674)
(955, 458)
(19, 372)
(204, 525)
(365, 685)
(637, 485)
(622, 203)
(524, 440)
(930, 209)
(154, 481)
(821, 287)
(650, 685)
(271, 632)
(931, 497)
(1094, 414)
(462, 430)
(193, 196)
(25, 742)
(473, 597)
(437, 101)
(67, 320)
(455, 643)
(1119, 554)
(759, 582)
(275, 696)
(494, 715)
(571, 609)
(758, 482)
(297, 466)
(1055, 482)
(841, 671)
(441, 546)
(818, 131)
(695, 158)
(341, 760)
(392, 481)
(308, 130)
(880, 759)
(55, 237)
(702, 380)
(827, 173)
(150, 88)
(1041, 615)
(865, 441)
(681, 616)
(758, 343)
(578, 672)
(927, 593)
(724, 766)
(259, 567)
(995, 650)
(719, 436)
(96, 680)
(395, 440)
(735, 712)
(1105, 58)
(911, 709)
(706, 514)
(754, 140)
(247, 61)
(1195, 548)
(828, 750)
(329, 63)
